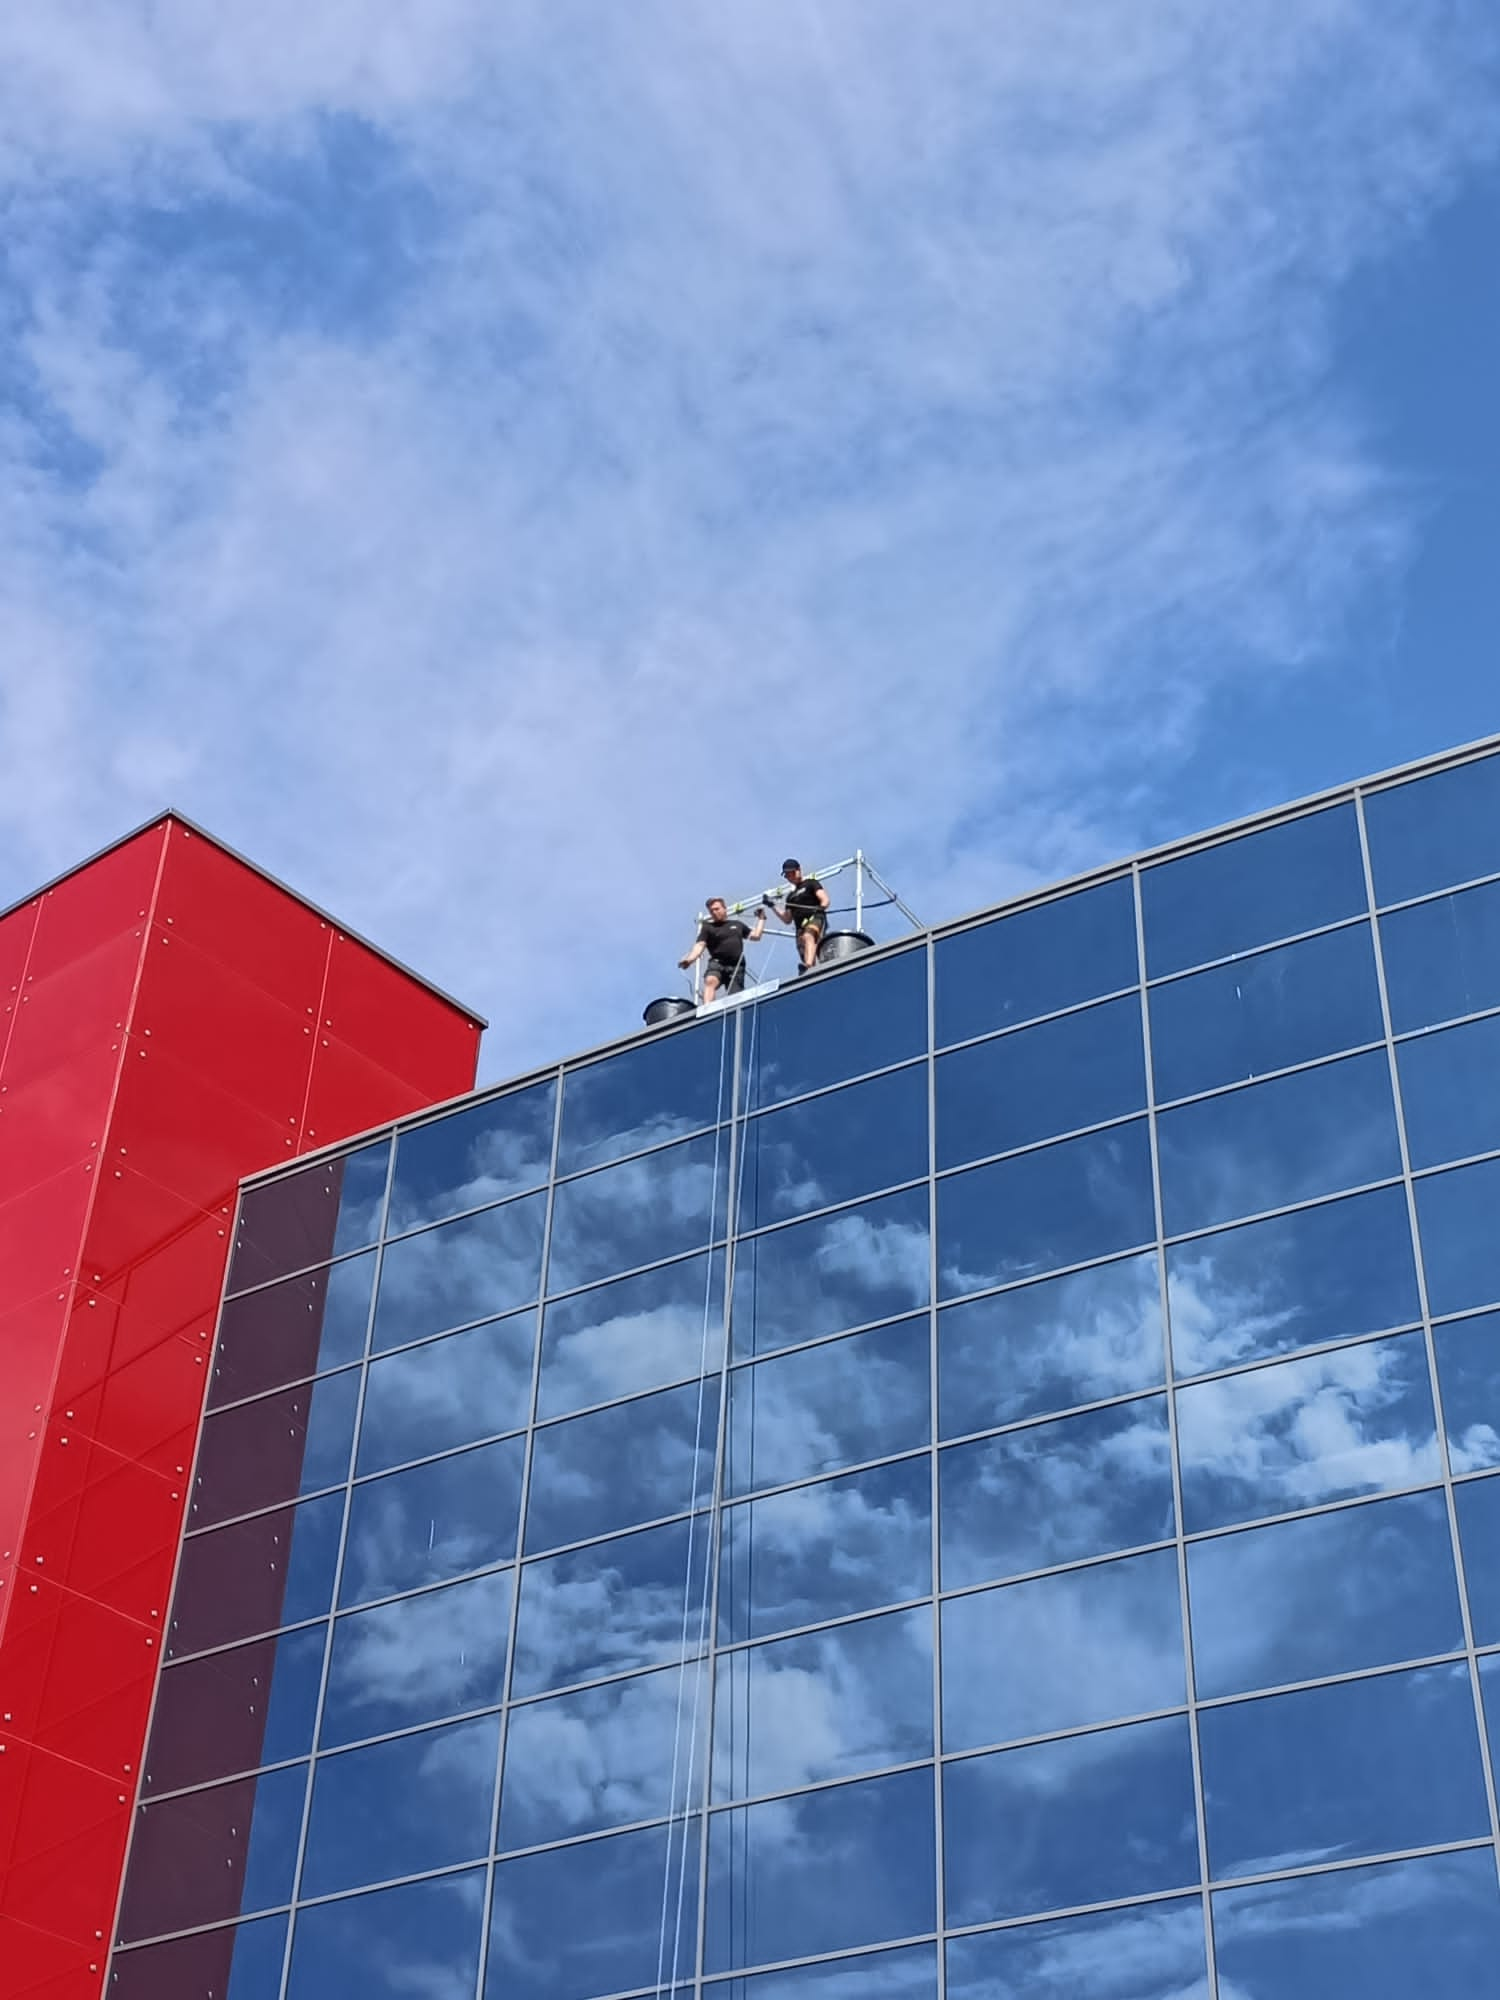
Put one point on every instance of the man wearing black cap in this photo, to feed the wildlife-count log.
(806, 907)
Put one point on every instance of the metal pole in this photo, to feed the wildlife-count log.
(859, 888)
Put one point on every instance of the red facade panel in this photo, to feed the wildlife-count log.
(167, 1030)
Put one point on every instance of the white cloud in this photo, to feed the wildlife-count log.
(465, 451)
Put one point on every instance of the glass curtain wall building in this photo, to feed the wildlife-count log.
(974, 1475)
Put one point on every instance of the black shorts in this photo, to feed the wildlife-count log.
(811, 920)
(730, 975)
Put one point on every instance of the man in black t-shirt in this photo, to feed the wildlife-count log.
(724, 939)
(806, 907)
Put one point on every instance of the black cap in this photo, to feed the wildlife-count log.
(793, 862)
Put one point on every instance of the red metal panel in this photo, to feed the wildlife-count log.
(165, 1007)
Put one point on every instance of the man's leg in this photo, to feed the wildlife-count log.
(809, 937)
(710, 989)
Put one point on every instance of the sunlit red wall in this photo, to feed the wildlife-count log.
(172, 1022)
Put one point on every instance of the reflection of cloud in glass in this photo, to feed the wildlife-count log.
(417, 1942)
(471, 1157)
(449, 1392)
(436, 1521)
(612, 1605)
(1468, 1359)
(636, 1333)
(837, 1271)
(830, 1705)
(623, 1466)
(1150, 1953)
(638, 1212)
(822, 1407)
(1301, 1432)
(834, 1148)
(605, 1756)
(1076, 1339)
(1063, 1651)
(472, 1269)
(882, 1975)
(418, 1659)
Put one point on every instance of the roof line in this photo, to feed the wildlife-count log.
(170, 815)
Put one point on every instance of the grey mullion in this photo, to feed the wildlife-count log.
(463, 1214)
(1032, 1020)
(738, 1130)
(661, 1666)
(1447, 1166)
(301, 1271)
(1432, 1485)
(338, 1574)
(1261, 1361)
(503, 1731)
(245, 1639)
(818, 1479)
(752, 1114)
(1433, 895)
(1383, 1672)
(739, 1803)
(1487, 1751)
(281, 1388)
(832, 1624)
(1040, 1145)
(436, 1457)
(1038, 1277)
(1195, 1890)
(1273, 1075)
(1190, 1677)
(364, 1604)
(610, 1535)
(747, 1361)
(830, 1208)
(1153, 984)
(633, 1271)
(1053, 1416)
(1073, 1735)
(717, 1982)
(1286, 1208)
(940, 1883)
(463, 1326)
(1346, 1864)
(1406, 1035)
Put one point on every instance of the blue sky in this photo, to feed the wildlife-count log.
(492, 463)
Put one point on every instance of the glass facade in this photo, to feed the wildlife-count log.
(975, 1476)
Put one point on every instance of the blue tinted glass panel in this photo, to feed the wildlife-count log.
(1154, 1952)
(1478, 1503)
(609, 1606)
(582, 1920)
(1060, 1205)
(621, 1467)
(477, 1268)
(662, 1090)
(274, 1569)
(639, 1212)
(1436, 831)
(434, 1522)
(1265, 1012)
(422, 1938)
(1458, 1215)
(1270, 1144)
(1300, 1433)
(247, 1959)
(472, 1158)
(1364, 1587)
(831, 1704)
(1061, 1652)
(1450, 1092)
(599, 1758)
(1468, 1359)
(1081, 1069)
(1300, 1280)
(821, 1408)
(447, 1393)
(1247, 892)
(1426, 1926)
(397, 1808)
(1489, 1682)
(825, 1031)
(417, 1660)
(1036, 961)
(1076, 1339)
(1442, 959)
(836, 1271)
(284, 1332)
(208, 1856)
(276, 1448)
(230, 1711)
(306, 1218)
(1332, 1772)
(834, 1148)
(903, 1974)
(1055, 1493)
(1083, 1820)
(826, 1551)
(361, 1196)
(823, 1872)
(637, 1333)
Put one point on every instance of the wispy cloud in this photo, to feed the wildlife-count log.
(482, 460)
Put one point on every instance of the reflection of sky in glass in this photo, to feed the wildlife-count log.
(621, 1467)
(1085, 1819)
(1080, 1069)
(447, 1393)
(1298, 1433)
(820, 1408)
(1433, 832)
(473, 1157)
(1450, 1092)
(1321, 1274)
(1430, 1926)
(1077, 1339)
(811, 1278)
(1457, 1218)
(1063, 1651)
(637, 1333)
(829, 1705)
(1442, 959)
(609, 1606)
(417, 1660)
(1329, 1773)
(909, 1974)
(821, 1032)
(660, 1090)
(1155, 1952)
(834, 1148)
(434, 1522)
(1056, 1493)
(418, 1942)
(1478, 1504)
(1468, 1360)
(825, 1871)
(476, 1268)
(1365, 1586)
(639, 1212)
(1267, 1145)
(1036, 961)
(396, 1808)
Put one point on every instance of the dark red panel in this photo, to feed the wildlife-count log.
(110, 895)
(245, 922)
(372, 1006)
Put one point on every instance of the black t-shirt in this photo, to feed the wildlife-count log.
(726, 941)
(802, 902)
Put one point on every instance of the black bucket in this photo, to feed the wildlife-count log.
(672, 1009)
(839, 945)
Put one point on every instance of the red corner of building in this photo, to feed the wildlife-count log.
(171, 1020)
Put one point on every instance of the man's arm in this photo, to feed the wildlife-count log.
(824, 899)
(758, 930)
(697, 952)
